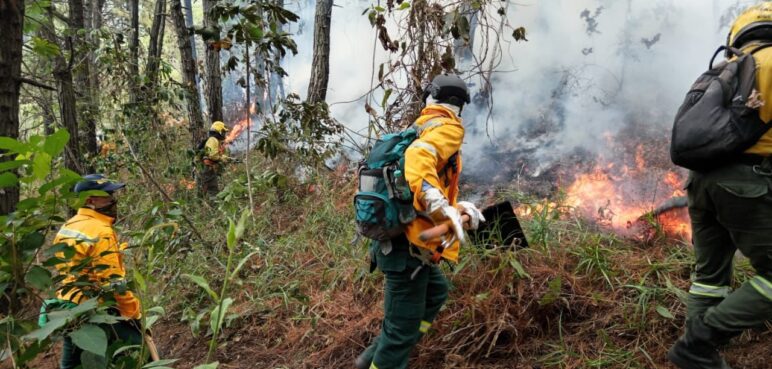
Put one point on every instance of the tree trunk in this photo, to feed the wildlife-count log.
(214, 80)
(196, 120)
(82, 73)
(320, 67)
(66, 95)
(12, 15)
(134, 50)
(156, 45)
(96, 23)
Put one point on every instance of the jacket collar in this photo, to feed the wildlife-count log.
(91, 213)
(439, 110)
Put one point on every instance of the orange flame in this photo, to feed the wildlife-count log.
(617, 201)
(240, 126)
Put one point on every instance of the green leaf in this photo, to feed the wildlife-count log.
(139, 279)
(41, 165)
(242, 225)
(216, 319)
(39, 277)
(255, 32)
(519, 268)
(201, 282)
(90, 360)
(13, 164)
(32, 241)
(44, 47)
(380, 9)
(103, 319)
(386, 98)
(8, 179)
(231, 238)
(241, 263)
(160, 363)
(55, 143)
(60, 318)
(553, 292)
(213, 365)
(664, 312)
(404, 5)
(7, 143)
(90, 338)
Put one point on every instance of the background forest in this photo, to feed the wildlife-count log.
(572, 106)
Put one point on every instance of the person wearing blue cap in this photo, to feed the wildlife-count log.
(90, 233)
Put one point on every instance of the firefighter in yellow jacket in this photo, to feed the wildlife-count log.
(90, 232)
(415, 287)
(213, 157)
(731, 208)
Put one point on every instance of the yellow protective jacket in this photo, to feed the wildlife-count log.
(440, 135)
(764, 81)
(92, 235)
(214, 150)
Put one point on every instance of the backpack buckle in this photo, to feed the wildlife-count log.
(762, 171)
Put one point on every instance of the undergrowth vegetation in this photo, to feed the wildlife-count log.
(285, 283)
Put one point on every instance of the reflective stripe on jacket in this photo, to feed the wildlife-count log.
(91, 234)
(426, 160)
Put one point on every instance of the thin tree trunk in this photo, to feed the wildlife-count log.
(196, 123)
(214, 79)
(134, 51)
(11, 26)
(156, 44)
(320, 67)
(82, 73)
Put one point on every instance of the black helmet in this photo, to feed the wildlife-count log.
(98, 182)
(448, 89)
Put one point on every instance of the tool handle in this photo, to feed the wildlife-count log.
(440, 230)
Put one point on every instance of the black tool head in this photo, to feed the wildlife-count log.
(500, 229)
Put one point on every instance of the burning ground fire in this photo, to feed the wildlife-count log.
(624, 197)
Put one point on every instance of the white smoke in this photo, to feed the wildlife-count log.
(589, 68)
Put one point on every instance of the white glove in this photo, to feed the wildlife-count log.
(439, 209)
(475, 216)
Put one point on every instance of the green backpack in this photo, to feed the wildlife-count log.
(384, 202)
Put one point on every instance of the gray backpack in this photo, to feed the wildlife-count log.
(719, 119)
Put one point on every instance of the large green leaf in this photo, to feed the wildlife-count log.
(56, 142)
(60, 318)
(8, 179)
(32, 241)
(217, 317)
(90, 338)
(201, 282)
(41, 165)
(7, 143)
(39, 277)
(231, 238)
(13, 164)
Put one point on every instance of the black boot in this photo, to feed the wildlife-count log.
(697, 348)
(364, 359)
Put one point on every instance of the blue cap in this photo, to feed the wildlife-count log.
(98, 182)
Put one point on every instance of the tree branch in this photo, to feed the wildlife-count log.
(36, 83)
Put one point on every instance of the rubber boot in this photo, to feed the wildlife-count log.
(364, 359)
(697, 348)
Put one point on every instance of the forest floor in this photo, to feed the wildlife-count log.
(579, 297)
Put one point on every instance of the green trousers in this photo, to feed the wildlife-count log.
(409, 306)
(731, 209)
(125, 331)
